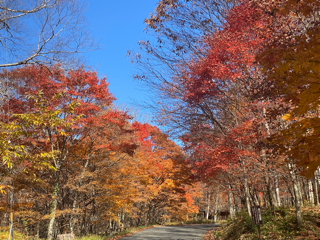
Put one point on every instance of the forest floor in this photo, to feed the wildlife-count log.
(281, 226)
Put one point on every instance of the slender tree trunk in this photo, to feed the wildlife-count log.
(11, 212)
(298, 204)
(264, 157)
(58, 163)
(269, 187)
(316, 187)
(54, 206)
(297, 197)
(277, 190)
(311, 195)
(74, 204)
(110, 226)
(208, 205)
(236, 207)
(305, 188)
(216, 208)
(318, 175)
(265, 196)
(270, 195)
(300, 189)
(255, 197)
(285, 199)
(231, 206)
(247, 194)
(290, 190)
(38, 229)
(293, 196)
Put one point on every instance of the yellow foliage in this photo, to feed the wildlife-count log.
(287, 117)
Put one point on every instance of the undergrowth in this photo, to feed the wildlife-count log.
(281, 226)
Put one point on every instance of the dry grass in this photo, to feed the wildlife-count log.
(279, 227)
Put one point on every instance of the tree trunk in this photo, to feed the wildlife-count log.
(247, 194)
(269, 187)
(231, 206)
(74, 204)
(236, 207)
(318, 175)
(300, 189)
(208, 205)
(270, 195)
(311, 195)
(293, 196)
(255, 198)
(297, 197)
(53, 207)
(38, 230)
(265, 198)
(11, 212)
(216, 208)
(305, 188)
(316, 186)
(277, 190)
(298, 204)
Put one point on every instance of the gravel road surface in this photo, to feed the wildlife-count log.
(184, 232)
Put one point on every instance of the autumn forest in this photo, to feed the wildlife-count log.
(236, 119)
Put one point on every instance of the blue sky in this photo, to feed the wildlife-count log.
(118, 26)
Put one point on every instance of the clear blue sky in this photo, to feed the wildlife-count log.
(118, 26)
